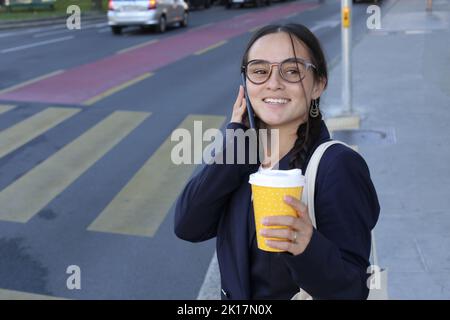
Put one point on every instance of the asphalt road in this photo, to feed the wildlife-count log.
(84, 146)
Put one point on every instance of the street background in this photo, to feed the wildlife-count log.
(85, 124)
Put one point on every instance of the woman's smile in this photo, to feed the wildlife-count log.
(273, 103)
(279, 101)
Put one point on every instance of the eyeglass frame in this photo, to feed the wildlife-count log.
(306, 63)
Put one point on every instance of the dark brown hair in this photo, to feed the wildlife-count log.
(308, 132)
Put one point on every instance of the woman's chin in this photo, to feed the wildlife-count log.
(278, 120)
(273, 121)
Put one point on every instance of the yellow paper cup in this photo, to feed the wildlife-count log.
(268, 190)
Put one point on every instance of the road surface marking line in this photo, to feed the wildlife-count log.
(210, 289)
(21, 295)
(142, 205)
(201, 27)
(415, 31)
(5, 108)
(36, 44)
(137, 46)
(255, 28)
(292, 15)
(33, 30)
(65, 30)
(214, 46)
(51, 33)
(115, 89)
(28, 129)
(29, 194)
(31, 81)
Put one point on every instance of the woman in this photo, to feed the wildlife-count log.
(286, 74)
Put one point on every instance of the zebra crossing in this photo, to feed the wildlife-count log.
(137, 209)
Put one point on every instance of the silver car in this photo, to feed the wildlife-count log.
(158, 13)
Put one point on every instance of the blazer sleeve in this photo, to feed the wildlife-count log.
(206, 196)
(334, 264)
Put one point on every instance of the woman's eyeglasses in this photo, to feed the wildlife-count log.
(292, 70)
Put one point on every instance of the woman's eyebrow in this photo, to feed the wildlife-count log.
(288, 59)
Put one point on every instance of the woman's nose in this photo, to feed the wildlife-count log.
(275, 81)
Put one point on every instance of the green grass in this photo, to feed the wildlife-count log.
(22, 13)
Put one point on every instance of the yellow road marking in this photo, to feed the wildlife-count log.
(25, 197)
(26, 83)
(20, 295)
(141, 206)
(28, 129)
(218, 44)
(113, 90)
(137, 46)
(5, 108)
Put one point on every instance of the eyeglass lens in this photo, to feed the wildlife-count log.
(292, 71)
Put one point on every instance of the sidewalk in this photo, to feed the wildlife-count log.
(402, 87)
(402, 95)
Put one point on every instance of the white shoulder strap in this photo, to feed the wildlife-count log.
(309, 189)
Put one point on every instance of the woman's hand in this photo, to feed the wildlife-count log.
(295, 238)
(240, 107)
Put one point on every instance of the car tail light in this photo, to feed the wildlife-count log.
(110, 5)
(151, 4)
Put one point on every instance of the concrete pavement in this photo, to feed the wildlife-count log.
(402, 88)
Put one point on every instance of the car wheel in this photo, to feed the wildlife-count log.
(184, 22)
(162, 24)
(229, 4)
(268, 2)
(207, 4)
(116, 30)
(258, 3)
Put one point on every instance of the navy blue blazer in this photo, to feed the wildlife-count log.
(216, 203)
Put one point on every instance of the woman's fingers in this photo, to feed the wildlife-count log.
(296, 237)
(239, 107)
(285, 221)
(282, 245)
(296, 204)
(279, 233)
(239, 97)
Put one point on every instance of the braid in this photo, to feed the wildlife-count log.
(307, 135)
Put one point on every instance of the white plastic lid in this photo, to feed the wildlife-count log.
(278, 178)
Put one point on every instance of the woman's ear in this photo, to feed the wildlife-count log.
(319, 86)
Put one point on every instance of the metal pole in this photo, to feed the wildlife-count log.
(346, 9)
(429, 5)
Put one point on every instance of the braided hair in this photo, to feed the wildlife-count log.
(308, 132)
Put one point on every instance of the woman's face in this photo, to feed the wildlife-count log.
(293, 107)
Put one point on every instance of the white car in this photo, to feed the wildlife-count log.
(158, 13)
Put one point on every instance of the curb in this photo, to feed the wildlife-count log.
(48, 21)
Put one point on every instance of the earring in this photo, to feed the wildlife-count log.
(314, 108)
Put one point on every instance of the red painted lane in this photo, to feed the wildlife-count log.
(84, 82)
